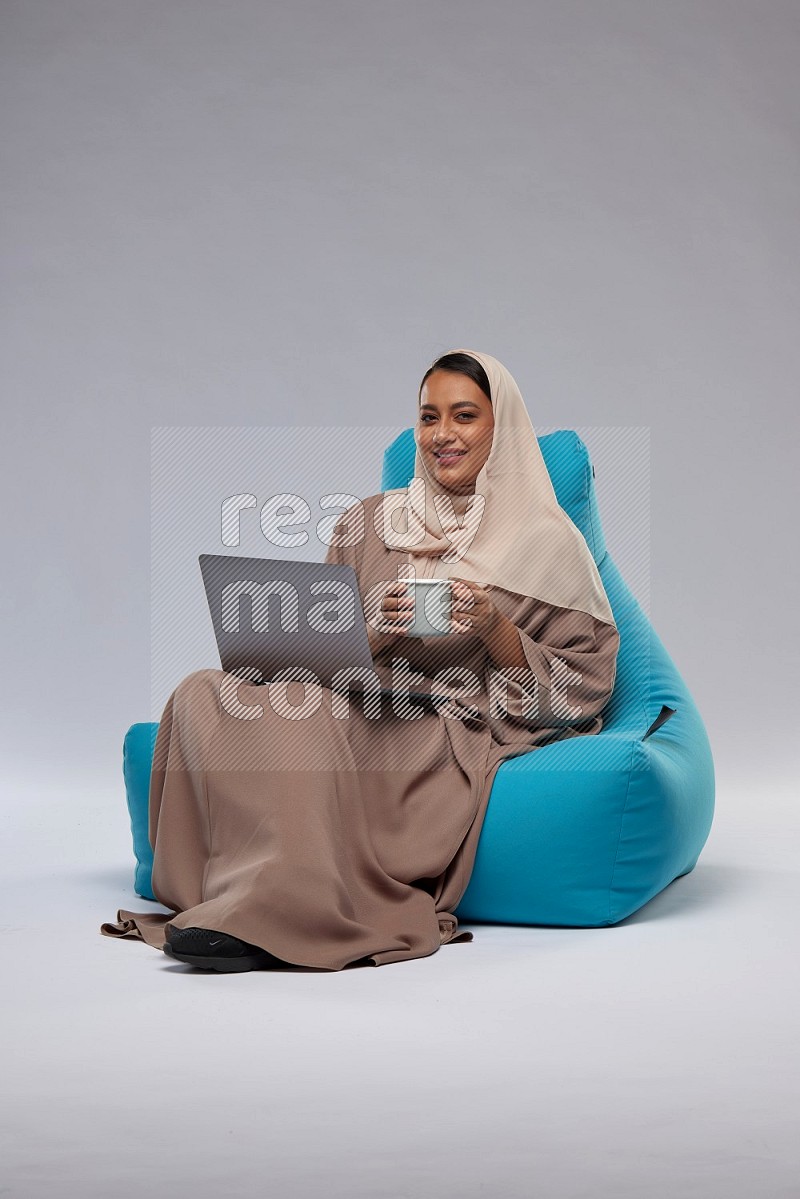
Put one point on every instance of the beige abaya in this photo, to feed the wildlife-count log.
(330, 841)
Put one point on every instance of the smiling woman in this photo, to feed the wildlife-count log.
(326, 842)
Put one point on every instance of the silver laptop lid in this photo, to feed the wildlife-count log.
(272, 614)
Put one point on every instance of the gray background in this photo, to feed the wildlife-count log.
(252, 214)
(248, 214)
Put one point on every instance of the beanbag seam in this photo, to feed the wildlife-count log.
(619, 836)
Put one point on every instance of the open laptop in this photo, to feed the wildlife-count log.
(272, 614)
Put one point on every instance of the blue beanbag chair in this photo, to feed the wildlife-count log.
(582, 832)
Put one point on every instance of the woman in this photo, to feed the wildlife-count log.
(327, 842)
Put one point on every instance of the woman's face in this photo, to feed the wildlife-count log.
(455, 424)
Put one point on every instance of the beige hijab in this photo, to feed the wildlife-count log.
(524, 542)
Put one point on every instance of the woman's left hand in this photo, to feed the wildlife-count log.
(473, 609)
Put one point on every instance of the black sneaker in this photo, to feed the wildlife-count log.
(210, 950)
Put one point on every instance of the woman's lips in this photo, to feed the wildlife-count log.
(448, 459)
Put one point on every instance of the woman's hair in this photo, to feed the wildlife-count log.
(460, 364)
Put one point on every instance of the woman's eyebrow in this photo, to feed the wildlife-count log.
(458, 404)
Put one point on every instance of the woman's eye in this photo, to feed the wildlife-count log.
(425, 420)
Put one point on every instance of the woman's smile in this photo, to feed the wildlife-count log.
(448, 457)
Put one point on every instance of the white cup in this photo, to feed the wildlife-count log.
(433, 599)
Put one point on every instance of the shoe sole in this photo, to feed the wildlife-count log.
(222, 965)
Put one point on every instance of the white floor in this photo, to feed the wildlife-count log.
(656, 1058)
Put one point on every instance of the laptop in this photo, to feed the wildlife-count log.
(272, 614)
